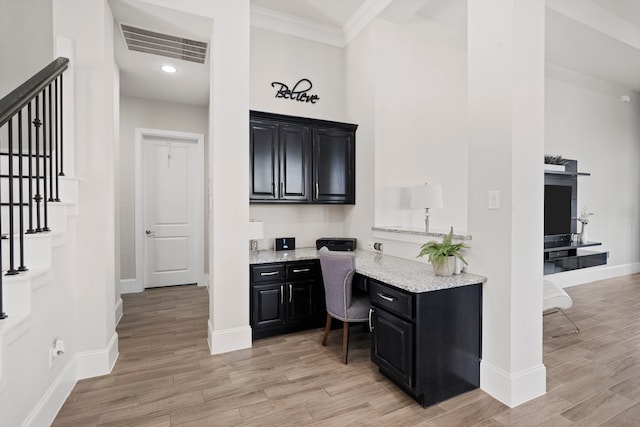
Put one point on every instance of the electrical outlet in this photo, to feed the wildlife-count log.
(57, 349)
(374, 246)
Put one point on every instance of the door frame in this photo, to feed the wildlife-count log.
(198, 138)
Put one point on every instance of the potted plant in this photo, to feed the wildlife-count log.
(443, 255)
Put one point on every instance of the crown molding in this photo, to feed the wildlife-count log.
(298, 27)
(369, 11)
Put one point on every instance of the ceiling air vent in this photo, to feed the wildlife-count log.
(163, 44)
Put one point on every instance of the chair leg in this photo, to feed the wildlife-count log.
(327, 328)
(345, 341)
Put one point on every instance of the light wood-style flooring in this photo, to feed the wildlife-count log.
(165, 375)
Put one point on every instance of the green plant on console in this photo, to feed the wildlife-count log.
(439, 252)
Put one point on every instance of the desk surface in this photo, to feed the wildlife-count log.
(408, 275)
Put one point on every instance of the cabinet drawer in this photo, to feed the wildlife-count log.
(302, 270)
(267, 273)
(391, 299)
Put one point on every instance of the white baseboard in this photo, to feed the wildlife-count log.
(98, 362)
(204, 281)
(512, 389)
(51, 402)
(118, 311)
(592, 274)
(130, 286)
(226, 340)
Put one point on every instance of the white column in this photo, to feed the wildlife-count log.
(229, 179)
(506, 148)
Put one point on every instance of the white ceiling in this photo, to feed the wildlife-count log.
(600, 38)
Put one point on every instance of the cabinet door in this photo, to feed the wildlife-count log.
(334, 166)
(267, 305)
(295, 153)
(263, 167)
(301, 302)
(392, 346)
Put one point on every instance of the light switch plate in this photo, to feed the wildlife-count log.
(494, 199)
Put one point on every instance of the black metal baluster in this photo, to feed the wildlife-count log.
(37, 198)
(58, 135)
(61, 129)
(3, 315)
(52, 136)
(11, 271)
(21, 267)
(47, 120)
(30, 230)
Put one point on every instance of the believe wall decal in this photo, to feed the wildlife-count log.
(298, 93)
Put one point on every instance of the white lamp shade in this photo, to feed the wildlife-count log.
(426, 196)
(256, 230)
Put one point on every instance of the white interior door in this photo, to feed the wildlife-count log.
(172, 176)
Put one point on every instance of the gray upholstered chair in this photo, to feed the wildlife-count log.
(337, 274)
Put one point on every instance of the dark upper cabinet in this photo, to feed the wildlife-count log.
(334, 166)
(263, 160)
(300, 160)
(295, 151)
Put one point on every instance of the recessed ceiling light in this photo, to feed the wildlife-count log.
(168, 68)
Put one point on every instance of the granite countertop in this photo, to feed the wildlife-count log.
(408, 275)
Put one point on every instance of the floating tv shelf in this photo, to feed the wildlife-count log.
(560, 252)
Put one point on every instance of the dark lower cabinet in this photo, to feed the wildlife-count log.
(285, 297)
(427, 343)
(392, 346)
(268, 305)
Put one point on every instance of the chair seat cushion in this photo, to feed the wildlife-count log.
(359, 310)
(554, 296)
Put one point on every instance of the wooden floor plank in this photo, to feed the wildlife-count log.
(165, 375)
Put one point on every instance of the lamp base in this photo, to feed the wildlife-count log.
(427, 214)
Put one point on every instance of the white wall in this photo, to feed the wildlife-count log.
(141, 113)
(94, 162)
(360, 105)
(587, 121)
(420, 123)
(286, 59)
(26, 41)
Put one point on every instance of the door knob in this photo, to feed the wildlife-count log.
(148, 232)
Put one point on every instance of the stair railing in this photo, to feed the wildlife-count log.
(41, 99)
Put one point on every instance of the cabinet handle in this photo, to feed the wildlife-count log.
(386, 297)
(370, 323)
(281, 294)
(270, 273)
(301, 270)
(281, 188)
(317, 190)
(290, 292)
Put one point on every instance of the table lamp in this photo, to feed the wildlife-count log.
(425, 197)
(256, 231)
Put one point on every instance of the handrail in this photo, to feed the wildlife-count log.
(23, 94)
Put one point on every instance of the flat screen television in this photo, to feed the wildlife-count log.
(557, 209)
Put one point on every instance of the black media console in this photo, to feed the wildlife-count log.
(561, 252)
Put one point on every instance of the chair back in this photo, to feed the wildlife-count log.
(337, 275)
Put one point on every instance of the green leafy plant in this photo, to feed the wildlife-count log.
(439, 252)
(554, 160)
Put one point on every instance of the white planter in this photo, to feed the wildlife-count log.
(583, 234)
(446, 268)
